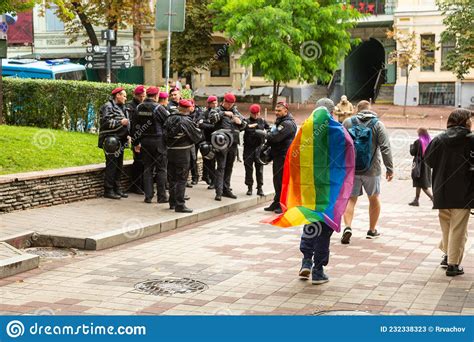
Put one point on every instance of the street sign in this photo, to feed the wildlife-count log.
(96, 57)
(125, 48)
(108, 35)
(96, 49)
(178, 14)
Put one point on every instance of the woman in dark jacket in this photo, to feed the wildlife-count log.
(421, 173)
(449, 155)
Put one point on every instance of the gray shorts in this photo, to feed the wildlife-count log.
(371, 185)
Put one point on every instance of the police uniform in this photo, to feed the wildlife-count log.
(225, 159)
(279, 139)
(251, 142)
(151, 117)
(181, 135)
(136, 180)
(111, 115)
(195, 116)
(208, 165)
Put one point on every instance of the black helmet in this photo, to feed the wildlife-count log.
(261, 135)
(214, 116)
(264, 154)
(222, 140)
(111, 145)
(207, 151)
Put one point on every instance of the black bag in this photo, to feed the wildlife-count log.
(416, 166)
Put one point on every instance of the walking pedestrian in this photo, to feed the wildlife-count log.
(420, 173)
(370, 140)
(450, 155)
(344, 109)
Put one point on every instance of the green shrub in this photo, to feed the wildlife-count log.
(69, 105)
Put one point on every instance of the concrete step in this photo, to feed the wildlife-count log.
(14, 261)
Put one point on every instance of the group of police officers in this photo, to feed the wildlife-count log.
(166, 133)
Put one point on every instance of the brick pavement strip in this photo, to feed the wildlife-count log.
(251, 269)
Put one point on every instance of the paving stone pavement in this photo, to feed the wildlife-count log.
(251, 269)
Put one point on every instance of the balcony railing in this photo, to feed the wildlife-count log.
(374, 7)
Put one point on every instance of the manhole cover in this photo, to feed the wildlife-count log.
(52, 252)
(342, 313)
(169, 287)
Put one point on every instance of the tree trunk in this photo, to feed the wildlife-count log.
(406, 93)
(276, 90)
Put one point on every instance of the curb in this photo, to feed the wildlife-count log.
(18, 263)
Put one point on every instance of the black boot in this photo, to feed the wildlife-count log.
(121, 194)
(260, 191)
(271, 207)
(454, 270)
(249, 191)
(112, 195)
(183, 209)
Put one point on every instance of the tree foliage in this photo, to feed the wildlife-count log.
(459, 16)
(288, 40)
(192, 49)
(14, 6)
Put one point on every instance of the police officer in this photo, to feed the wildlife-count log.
(114, 130)
(136, 181)
(209, 165)
(251, 143)
(229, 119)
(175, 97)
(196, 115)
(280, 138)
(181, 135)
(151, 117)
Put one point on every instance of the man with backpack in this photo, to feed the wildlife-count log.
(370, 137)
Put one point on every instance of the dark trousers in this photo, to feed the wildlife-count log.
(178, 168)
(278, 163)
(113, 171)
(136, 181)
(225, 164)
(315, 243)
(209, 169)
(154, 163)
(250, 160)
(194, 165)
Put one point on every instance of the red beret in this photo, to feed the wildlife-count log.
(282, 103)
(139, 90)
(254, 109)
(152, 90)
(229, 97)
(117, 90)
(174, 89)
(163, 95)
(211, 99)
(185, 103)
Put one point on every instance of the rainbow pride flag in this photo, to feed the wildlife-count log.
(318, 173)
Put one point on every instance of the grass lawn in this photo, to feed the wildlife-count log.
(24, 149)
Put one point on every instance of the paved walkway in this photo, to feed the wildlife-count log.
(251, 268)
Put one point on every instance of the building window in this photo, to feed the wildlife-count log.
(53, 23)
(437, 94)
(163, 69)
(257, 71)
(428, 50)
(445, 49)
(221, 67)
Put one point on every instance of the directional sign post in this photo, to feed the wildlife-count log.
(98, 58)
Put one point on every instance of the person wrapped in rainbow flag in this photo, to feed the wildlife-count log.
(317, 181)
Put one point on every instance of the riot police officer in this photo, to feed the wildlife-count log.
(252, 142)
(181, 135)
(279, 139)
(151, 117)
(196, 115)
(229, 119)
(113, 136)
(136, 181)
(209, 165)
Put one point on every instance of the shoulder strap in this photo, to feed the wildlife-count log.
(354, 121)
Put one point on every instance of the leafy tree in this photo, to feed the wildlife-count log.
(408, 56)
(192, 49)
(287, 40)
(459, 16)
(13, 6)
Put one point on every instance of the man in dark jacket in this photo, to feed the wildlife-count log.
(209, 165)
(136, 181)
(279, 139)
(448, 155)
(175, 97)
(196, 115)
(113, 137)
(229, 119)
(181, 135)
(252, 142)
(151, 117)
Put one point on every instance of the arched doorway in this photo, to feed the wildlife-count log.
(361, 68)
